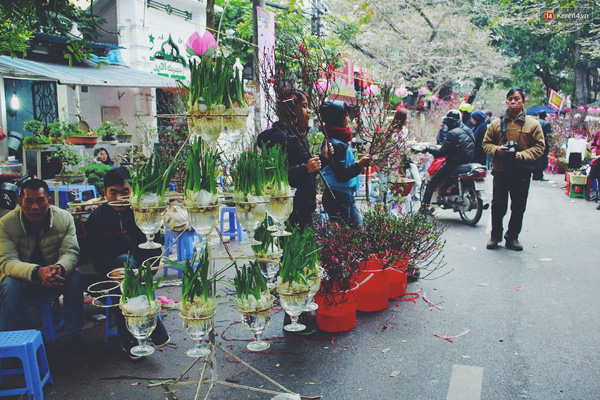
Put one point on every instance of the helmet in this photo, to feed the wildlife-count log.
(451, 119)
(466, 107)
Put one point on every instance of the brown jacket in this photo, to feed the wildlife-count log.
(529, 137)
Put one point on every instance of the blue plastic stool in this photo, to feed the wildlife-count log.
(184, 245)
(110, 327)
(51, 315)
(235, 227)
(29, 348)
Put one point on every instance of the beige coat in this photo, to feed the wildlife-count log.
(58, 244)
(530, 139)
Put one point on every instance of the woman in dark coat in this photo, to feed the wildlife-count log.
(291, 133)
(479, 129)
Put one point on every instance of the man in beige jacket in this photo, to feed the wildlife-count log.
(38, 255)
(515, 141)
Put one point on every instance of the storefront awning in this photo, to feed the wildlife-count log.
(86, 75)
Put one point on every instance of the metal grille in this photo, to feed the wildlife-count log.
(170, 9)
(45, 108)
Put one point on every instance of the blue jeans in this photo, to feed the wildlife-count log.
(13, 310)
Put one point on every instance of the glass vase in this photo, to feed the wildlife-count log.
(197, 328)
(279, 209)
(149, 220)
(141, 324)
(204, 220)
(251, 215)
(293, 304)
(256, 322)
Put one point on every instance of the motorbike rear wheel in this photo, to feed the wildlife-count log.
(473, 215)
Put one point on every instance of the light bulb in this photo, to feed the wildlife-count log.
(14, 102)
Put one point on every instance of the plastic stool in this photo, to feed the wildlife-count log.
(235, 227)
(29, 348)
(184, 245)
(110, 327)
(51, 315)
(577, 191)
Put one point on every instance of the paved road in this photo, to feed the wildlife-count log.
(531, 319)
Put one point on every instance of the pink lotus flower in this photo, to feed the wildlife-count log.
(592, 110)
(201, 45)
(581, 108)
(322, 85)
(402, 92)
(372, 90)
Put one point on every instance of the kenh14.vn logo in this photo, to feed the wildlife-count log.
(548, 15)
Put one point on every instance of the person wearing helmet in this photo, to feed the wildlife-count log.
(466, 109)
(458, 148)
(515, 141)
(342, 173)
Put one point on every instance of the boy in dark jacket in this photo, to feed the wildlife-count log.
(113, 239)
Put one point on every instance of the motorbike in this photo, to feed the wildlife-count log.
(463, 191)
(9, 190)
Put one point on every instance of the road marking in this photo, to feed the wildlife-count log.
(465, 383)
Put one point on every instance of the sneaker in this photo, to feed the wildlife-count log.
(128, 345)
(160, 337)
(492, 243)
(513, 244)
(75, 344)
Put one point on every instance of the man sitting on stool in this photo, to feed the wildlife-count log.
(113, 239)
(38, 255)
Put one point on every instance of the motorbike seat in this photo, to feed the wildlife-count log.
(465, 169)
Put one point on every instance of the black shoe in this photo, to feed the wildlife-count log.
(513, 244)
(160, 337)
(75, 344)
(492, 243)
(598, 208)
(426, 209)
(128, 345)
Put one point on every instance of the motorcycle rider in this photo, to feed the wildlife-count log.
(458, 148)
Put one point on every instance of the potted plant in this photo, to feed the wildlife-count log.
(81, 138)
(198, 304)
(293, 283)
(39, 140)
(95, 174)
(266, 252)
(254, 302)
(107, 132)
(149, 182)
(215, 90)
(248, 196)
(200, 190)
(139, 305)
(281, 200)
(122, 135)
(337, 294)
(68, 159)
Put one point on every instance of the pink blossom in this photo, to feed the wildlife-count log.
(441, 102)
(402, 92)
(581, 108)
(424, 91)
(322, 85)
(201, 45)
(434, 98)
(372, 90)
(591, 110)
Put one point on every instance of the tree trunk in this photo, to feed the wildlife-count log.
(210, 15)
(580, 70)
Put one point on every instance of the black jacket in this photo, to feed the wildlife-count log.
(111, 233)
(305, 200)
(479, 133)
(458, 148)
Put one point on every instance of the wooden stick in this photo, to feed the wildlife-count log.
(251, 368)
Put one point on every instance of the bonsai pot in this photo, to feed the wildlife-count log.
(124, 138)
(109, 138)
(70, 177)
(397, 282)
(372, 295)
(82, 140)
